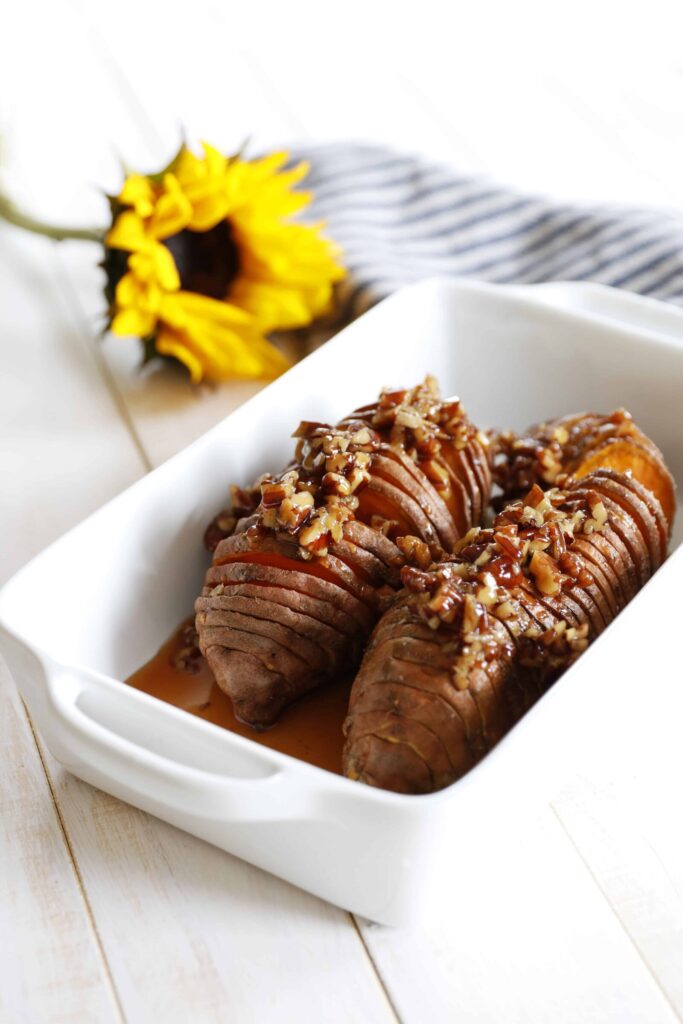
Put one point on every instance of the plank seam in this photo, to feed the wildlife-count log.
(77, 873)
(373, 964)
(104, 370)
(599, 127)
(441, 122)
(131, 100)
(270, 91)
(615, 912)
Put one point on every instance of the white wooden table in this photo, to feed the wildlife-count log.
(106, 913)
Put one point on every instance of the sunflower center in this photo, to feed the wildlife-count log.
(207, 261)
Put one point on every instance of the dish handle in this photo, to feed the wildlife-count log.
(165, 760)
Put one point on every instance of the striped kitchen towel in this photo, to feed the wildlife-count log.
(400, 218)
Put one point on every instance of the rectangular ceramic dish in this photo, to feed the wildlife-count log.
(98, 603)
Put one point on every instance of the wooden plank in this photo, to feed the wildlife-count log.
(51, 967)
(527, 940)
(638, 869)
(58, 421)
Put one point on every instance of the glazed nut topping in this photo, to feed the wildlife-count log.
(312, 533)
(340, 462)
(471, 615)
(437, 474)
(361, 437)
(545, 572)
(488, 592)
(273, 495)
(598, 519)
(294, 511)
(415, 551)
(315, 497)
(385, 526)
(335, 483)
(407, 417)
(531, 540)
(505, 610)
(226, 522)
(419, 421)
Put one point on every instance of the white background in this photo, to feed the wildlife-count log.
(105, 913)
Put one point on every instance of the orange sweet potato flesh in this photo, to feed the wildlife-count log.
(458, 658)
(318, 605)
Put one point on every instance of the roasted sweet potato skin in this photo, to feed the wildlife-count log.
(474, 640)
(329, 529)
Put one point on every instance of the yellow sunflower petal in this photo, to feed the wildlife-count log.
(133, 323)
(131, 291)
(222, 337)
(274, 306)
(138, 192)
(203, 183)
(215, 161)
(170, 343)
(172, 212)
(190, 169)
(208, 211)
(184, 305)
(155, 266)
(264, 166)
(127, 232)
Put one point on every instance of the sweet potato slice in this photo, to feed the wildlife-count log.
(617, 487)
(653, 504)
(461, 468)
(329, 642)
(400, 506)
(322, 611)
(626, 533)
(600, 571)
(478, 459)
(401, 471)
(298, 580)
(317, 657)
(376, 542)
(290, 674)
(388, 764)
(462, 480)
(258, 693)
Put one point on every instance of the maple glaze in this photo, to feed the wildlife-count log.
(310, 728)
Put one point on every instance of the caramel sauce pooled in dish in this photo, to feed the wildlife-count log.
(310, 728)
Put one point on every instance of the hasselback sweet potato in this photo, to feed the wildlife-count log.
(471, 642)
(576, 445)
(303, 561)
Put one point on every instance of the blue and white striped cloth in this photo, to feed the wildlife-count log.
(400, 218)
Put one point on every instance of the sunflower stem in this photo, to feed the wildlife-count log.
(10, 214)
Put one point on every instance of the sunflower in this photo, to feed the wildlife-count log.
(203, 261)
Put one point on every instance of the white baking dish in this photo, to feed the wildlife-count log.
(99, 602)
